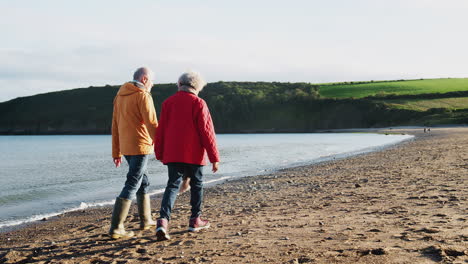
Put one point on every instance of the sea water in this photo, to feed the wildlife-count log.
(43, 176)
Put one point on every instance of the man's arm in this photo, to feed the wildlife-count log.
(148, 114)
(116, 155)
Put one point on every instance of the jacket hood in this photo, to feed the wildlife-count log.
(128, 89)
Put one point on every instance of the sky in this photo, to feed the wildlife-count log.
(52, 45)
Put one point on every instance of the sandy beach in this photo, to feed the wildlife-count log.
(404, 204)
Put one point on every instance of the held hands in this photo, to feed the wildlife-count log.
(215, 166)
(117, 162)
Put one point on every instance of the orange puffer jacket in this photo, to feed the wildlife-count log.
(134, 121)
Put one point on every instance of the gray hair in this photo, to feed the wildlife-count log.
(191, 81)
(142, 71)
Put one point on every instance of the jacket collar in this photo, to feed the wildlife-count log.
(138, 84)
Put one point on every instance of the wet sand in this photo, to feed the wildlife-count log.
(405, 204)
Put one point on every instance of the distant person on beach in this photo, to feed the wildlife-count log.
(184, 136)
(134, 124)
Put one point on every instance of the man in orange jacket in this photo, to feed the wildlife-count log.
(134, 124)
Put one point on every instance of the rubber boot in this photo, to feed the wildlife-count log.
(144, 210)
(119, 215)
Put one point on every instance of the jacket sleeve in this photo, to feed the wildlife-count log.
(207, 132)
(159, 137)
(115, 135)
(148, 113)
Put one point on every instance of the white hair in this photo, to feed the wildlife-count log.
(191, 80)
(142, 71)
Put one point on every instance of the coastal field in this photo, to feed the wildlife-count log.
(400, 87)
(421, 105)
(405, 204)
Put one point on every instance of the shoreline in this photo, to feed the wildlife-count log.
(37, 219)
(54, 215)
(331, 212)
(258, 131)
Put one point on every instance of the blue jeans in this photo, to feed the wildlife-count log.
(137, 178)
(176, 171)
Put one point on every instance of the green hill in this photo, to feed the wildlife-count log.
(256, 106)
(403, 87)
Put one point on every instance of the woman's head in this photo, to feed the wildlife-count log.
(191, 82)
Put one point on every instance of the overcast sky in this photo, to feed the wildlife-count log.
(51, 45)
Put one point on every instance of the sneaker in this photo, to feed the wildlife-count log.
(161, 230)
(197, 224)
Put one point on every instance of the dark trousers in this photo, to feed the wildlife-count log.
(176, 172)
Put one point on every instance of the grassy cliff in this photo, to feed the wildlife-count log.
(400, 87)
(256, 106)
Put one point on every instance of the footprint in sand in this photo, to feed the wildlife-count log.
(428, 230)
(444, 253)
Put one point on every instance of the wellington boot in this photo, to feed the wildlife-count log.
(119, 215)
(144, 210)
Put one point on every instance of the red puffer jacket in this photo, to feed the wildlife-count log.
(185, 132)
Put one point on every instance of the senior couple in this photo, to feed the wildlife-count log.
(181, 140)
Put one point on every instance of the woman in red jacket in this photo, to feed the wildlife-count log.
(184, 137)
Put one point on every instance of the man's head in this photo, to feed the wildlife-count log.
(145, 76)
(191, 82)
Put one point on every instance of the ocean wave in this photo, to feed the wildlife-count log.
(82, 206)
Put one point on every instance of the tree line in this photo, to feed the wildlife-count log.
(236, 107)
